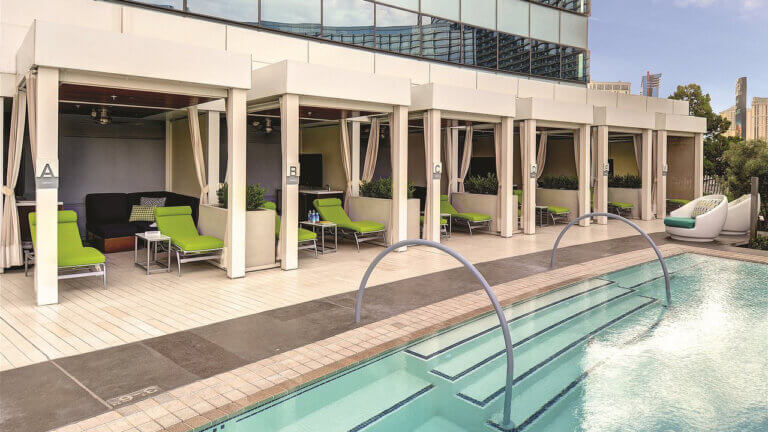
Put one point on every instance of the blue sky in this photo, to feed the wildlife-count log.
(708, 42)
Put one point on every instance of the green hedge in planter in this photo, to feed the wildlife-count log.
(381, 188)
(559, 182)
(628, 181)
(477, 184)
(254, 196)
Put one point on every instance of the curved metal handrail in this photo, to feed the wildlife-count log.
(494, 301)
(630, 223)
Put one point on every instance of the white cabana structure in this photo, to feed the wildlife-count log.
(443, 108)
(76, 64)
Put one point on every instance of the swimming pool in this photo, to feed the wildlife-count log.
(602, 354)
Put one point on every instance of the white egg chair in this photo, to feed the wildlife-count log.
(737, 222)
(701, 220)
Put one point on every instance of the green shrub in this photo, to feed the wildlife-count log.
(760, 243)
(477, 184)
(559, 182)
(254, 196)
(381, 188)
(746, 159)
(628, 181)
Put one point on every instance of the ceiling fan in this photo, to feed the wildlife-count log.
(103, 117)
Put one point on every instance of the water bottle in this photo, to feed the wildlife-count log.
(309, 216)
(316, 216)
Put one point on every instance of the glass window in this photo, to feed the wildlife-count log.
(169, 4)
(545, 23)
(443, 8)
(440, 39)
(408, 4)
(479, 47)
(573, 30)
(514, 53)
(245, 11)
(545, 59)
(513, 17)
(294, 16)
(575, 64)
(348, 21)
(479, 13)
(397, 30)
(579, 6)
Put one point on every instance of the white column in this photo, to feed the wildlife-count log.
(661, 174)
(46, 201)
(528, 149)
(646, 175)
(508, 222)
(586, 176)
(454, 180)
(289, 229)
(214, 140)
(698, 165)
(236, 157)
(355, 155)
(168, 154)
(601, 185)
(432, 213)
(399, 142)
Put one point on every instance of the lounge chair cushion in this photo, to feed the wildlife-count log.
(446, 207)
(71, 251)
(621, 205)
(80, 256)
(678, 201)
(558, 210)
(306, 235)
(679, 222)
(197, 243)
(704, 206)
(330, 210)
(176, 223)
(442, 220)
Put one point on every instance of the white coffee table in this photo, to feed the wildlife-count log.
(152, 265)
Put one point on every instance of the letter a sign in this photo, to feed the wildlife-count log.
(48, 175)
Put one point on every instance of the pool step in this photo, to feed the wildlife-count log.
(488, 378)
(455, 364)
(354, 412)
(446, 341)
(633, 277)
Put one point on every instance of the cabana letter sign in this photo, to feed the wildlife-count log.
(48, 174)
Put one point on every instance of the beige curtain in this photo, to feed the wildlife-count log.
(466, 158)
(638, 151)
(428, 203)
(500, 190)
(448, 156)
(10, 240)
(372, 152)
(655, 147)
(346, 158)
(32, 114)
(541, 154)
(576, 153)
(593, 160)
(197, 152)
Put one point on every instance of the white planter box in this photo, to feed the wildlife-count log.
(259, 234)
(626, 195)
(559, 198)
(380, 210)
(466, 202)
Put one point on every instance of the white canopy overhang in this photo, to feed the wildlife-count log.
(680, 125)
(550, 113)
(621, 120)
(461, 103)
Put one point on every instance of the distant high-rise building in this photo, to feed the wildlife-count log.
(756, 120)
(740, 109)
(651, 84)
(614, 86)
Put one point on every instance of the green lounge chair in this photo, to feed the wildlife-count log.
(444, 232)
(361, 231)
(473, 220)
(307, 238)
(186, 242)
(558, 213)
(73, 257)
(621, 208)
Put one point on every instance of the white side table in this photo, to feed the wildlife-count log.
(325, 225)
(152, 265)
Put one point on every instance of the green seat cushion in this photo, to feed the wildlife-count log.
(678, 201)
(330, 210)
(473, 217)
(558, 210)
(364, 226)
(306, 235)
(442, 220)
(622, 205)
(70, 249)
(679, 222)
(197, 243)
(80, 256)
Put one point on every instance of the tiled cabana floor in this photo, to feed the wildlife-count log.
(138, 307)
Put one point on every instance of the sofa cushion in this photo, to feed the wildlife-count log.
(152, 201)
(142, 213)
(101, 208)
(679, 222)
(113, 230)
(703, 206)
(171, 200)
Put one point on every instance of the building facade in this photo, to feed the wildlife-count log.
(651, 84)
(756, 120)
(622, 87)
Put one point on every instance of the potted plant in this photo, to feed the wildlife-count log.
(375, 204)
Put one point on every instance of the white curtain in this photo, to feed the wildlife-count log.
(10, 240)
(197, 152)
(638, 151)
(447, 156)
(346, 158)
(500, 190)
(32, 114)
(372, 152)
(428, 203)
(541, 155)
(466, 158)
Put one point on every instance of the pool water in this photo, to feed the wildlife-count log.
(600, 355)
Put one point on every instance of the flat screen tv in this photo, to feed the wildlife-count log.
(311, 169)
